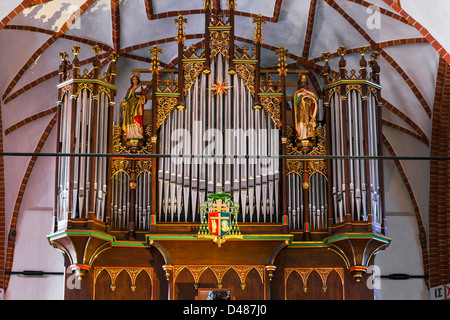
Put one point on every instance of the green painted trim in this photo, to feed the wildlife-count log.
(219, 28)
(96, 234)
(358, 236)
(98, 81)
(268, 237)
(171, 237)
(248, 237)
(351, 81)
(167, 94)
(326, 241)
(270, 94)
(188, 60)
(243, 61)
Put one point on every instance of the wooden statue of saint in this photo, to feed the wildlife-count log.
(305, 109)
(133, 112)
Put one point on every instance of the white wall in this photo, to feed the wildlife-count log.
(404, 254)
(32, 250)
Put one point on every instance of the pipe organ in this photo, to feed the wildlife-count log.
(281, 183)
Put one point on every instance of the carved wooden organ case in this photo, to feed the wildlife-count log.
(313, 206)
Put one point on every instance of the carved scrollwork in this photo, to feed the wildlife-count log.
(120, 165)
(165, 105)
(118, 145)
(143, 166)
(313, 166)
(85, 85)
(106, 90)
(219, 43)
(272, 106)
(351, 87)
(247, 72)
(191, 73)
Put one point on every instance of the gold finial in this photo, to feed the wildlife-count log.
(97, 49)
(231, 5)
(155, 59)
(180, 33)
(342, 51)
(259, 20)
(207, 4)
(282, 70)
(114, 56)
(76, 50)
(326, 56)
(64, 56)
(363, 50)
(375, 56)
(193, 48)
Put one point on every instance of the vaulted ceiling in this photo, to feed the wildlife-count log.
(408, 34)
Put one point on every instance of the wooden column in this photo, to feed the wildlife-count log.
(305, 190)
(112, 79)
(180, 40)
(131, 227)
(344, 100)
(63, 68)
(376, 78)
(207, 6)
(95, 107)
(258, 41)
(155, 71)
(231, 47)
(283, 179)
(327, 107)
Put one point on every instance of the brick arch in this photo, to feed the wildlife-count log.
(395, 4)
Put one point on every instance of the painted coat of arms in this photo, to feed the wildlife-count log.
(219, 221)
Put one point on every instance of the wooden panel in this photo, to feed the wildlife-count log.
(184, 286)
(122, 286)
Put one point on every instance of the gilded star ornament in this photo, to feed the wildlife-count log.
(220, 87)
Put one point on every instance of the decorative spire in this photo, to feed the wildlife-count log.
(76, 63)
(113, 68)
(375, 67)
(207, 4)
(282, 70)
(76, 50)
(342, 51)
(326, 69)
(363, 63)
(63, 66)
(231, 5)
(259, 20)
(96, 62)
(180, 29)
(113, 56)
(97, 49)
(64, 56)
(155, 59)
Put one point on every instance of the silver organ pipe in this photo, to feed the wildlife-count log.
(100, 183)
(374, 164)
(357, 168)
(224, 124)
(143, 200)
(120, 200)
(77, 175)
(318, 202)
(338, 187)
(63, 173)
